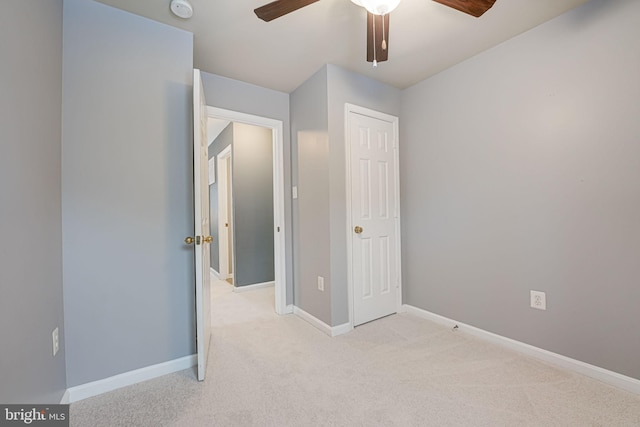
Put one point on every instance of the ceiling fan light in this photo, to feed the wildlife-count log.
(379, 7)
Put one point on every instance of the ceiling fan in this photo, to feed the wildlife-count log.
(377, 18)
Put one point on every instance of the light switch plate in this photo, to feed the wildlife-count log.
(56, 341)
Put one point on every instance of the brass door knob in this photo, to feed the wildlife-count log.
(358, 229)
(208, 239)
(189, 240)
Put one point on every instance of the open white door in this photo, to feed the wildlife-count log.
(202, 238)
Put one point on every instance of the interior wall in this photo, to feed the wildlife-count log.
(310, 151)
(127, 192)
(31, 305)
(252, 159)
(520, 171)
(234, 95)
(252, 183)
(224, 139)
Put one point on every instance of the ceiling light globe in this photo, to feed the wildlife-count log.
(380, 7)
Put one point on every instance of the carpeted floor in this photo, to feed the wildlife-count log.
(266, 370)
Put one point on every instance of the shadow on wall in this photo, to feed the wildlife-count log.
(585, 16)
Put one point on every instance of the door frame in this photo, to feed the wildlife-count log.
(279, 229)
(223, 160)
(349, 110)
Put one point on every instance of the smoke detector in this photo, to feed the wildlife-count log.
(182, 8)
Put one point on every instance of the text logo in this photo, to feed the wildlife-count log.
(37, 415)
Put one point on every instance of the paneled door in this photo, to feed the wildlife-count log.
(374, 228)
(202, 238)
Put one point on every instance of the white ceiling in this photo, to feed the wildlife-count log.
(425, 37)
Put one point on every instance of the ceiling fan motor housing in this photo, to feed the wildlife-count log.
(379, 7)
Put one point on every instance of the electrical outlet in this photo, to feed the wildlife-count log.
(56, 341)
(321, 283)
(538, 300)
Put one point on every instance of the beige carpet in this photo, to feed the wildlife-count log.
(266, 370)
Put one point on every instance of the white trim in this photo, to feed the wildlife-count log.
(348, 109)
(65, 398)
(279, 231)
(214, 274)
(253, 287)
(226, 152)
(224, 201)
(212, 170)
(106, 385)
(289, 309)
(312, 320)
(332, 331)
(612, 378)
(341, 329)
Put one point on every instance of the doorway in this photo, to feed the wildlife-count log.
(373, 214)
(225, 215)
(278, 229)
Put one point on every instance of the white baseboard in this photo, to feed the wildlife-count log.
(84, 391)
(332, 331)
(65, 398)
(341, 329)
(253, 287)
(288, 309)
(215, 274)
(613, 378)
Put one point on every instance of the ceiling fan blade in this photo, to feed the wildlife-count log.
(472, 7)
(375, 25)
(279, 8)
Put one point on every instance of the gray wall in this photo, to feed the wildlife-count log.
(310, 151)
(126, 192)
(318, 123)
(519, 171)
(234, 95)
(252, 182)
(223, 140)
(30, 212)
(252, 203)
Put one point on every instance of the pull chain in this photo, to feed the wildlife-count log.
(384, 42)
(375, 62)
